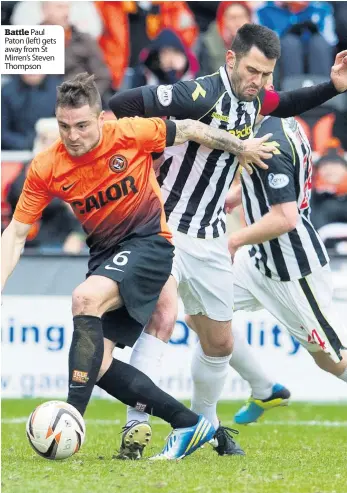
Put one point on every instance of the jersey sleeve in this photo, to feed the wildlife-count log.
(185, 99)
(150, 134)
(291, 103)
(279, 182)
(279, 179)
(34, 198)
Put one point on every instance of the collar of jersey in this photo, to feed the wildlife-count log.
(258, 125)
(226, 81)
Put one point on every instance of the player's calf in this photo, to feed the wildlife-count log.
(107, 357)
(89, 301)
(324, 361)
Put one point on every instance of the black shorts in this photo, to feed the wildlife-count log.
(140, 266)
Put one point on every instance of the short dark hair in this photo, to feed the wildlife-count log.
(79, 91)
(261, 37)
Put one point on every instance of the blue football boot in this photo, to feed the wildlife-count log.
(255, 408)
(184, 441)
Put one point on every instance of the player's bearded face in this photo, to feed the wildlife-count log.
(80, 129)
(249, 73)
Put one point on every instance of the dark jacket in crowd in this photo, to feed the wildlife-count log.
(6, 12)
(340, 14)
(204, 12)
(148, 71)
(21, 106)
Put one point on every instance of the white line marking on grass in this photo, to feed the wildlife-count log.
(107, 422)
(329, 424)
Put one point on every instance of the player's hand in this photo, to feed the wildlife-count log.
(255, 150)
(233, 198)
(339, 71)
(232, 247)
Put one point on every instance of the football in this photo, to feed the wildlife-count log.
(55, 430)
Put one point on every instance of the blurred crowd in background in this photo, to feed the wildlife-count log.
(130, 44)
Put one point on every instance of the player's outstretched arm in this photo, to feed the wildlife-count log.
(12, 243)
(291, 103)
(247, 151)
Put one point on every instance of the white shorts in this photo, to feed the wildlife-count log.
(203, 271)
(303, 306)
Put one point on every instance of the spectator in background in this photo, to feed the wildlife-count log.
(204, 13)
(340, 15)
(178, 17)
(82, 52)
(165, 61)
(115, 41)
(329, 194)
(83, 15)
(219, 36)
(307, 32)
(24, 100)
(58, 227)
(128, 26)
(340, 127)
(6, 12)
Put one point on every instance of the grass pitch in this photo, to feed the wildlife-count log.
(300, 449)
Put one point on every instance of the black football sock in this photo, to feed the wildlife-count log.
(134, 388)
(85, 358)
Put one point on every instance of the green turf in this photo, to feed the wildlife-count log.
(280, 458)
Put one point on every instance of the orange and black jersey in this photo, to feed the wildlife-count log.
(112, 189)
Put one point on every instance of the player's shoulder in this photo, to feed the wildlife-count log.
(205, 90)
(44, 162)
(275, 126)
(281, 139)
(210, 86)
(270, 124)
(114, 129)
(128, 126)
(211, 81)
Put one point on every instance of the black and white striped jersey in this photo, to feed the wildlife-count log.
(295, 254)
(194, 180)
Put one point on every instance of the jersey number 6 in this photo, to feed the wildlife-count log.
(120, 259)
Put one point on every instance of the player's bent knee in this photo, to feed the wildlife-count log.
(217, 347)
(86, 302)
(216, 339)
(224, 348)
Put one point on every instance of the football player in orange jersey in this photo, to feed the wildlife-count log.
(104, 171)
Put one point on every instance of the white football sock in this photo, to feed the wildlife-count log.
(247, 366)
(147, 356)
(343, 375)
(209, 374)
